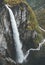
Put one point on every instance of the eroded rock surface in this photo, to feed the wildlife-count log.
(21, 14)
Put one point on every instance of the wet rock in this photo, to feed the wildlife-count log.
(21, 14)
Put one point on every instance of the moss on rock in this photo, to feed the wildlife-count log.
(32, 23)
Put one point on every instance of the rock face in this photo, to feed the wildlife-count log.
(21, 14)
(27, 36)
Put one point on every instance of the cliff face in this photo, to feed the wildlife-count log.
(30, 34)
(39, 8)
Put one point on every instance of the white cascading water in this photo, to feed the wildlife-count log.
(37, 49)
(42, 29)
(18, 44)
(20, 56)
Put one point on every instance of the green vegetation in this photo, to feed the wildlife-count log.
(13, 2)
(41, 19)
(32, 21)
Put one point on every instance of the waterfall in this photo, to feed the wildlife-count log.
(37, 49)
(18, 44)
(20, 55)
(42, 29)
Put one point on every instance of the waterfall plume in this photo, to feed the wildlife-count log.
(18, 44)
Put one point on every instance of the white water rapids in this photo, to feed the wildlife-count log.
(20, 55)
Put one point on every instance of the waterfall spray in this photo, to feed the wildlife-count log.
(18, 44)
